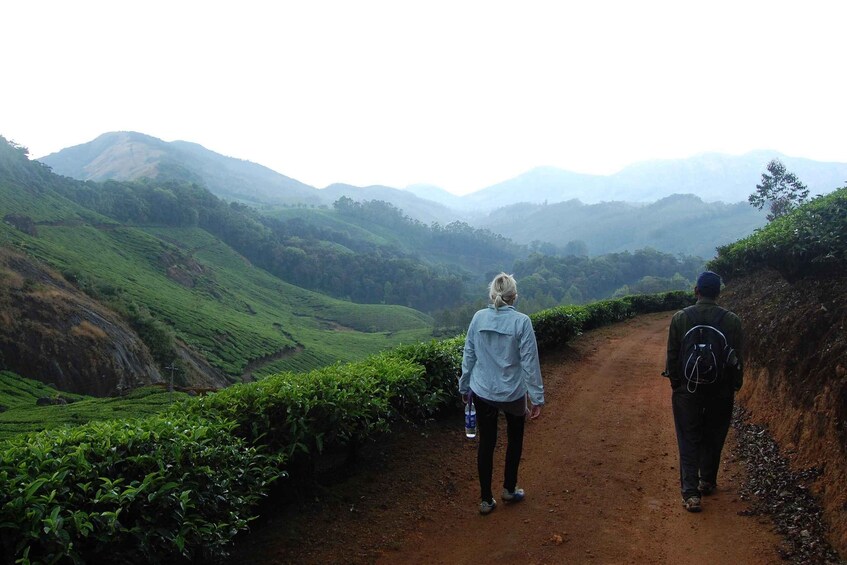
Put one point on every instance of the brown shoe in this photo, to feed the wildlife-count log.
(692, 504)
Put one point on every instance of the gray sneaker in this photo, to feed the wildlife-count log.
(515, 496)
(692, 504)
(486, 506)
(705, 487)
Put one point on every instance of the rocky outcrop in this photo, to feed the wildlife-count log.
(51, 332)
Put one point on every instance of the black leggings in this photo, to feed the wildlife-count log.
(486, 421)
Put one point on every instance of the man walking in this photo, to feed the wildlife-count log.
(705, 371)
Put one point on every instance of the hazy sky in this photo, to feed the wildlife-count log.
(457, 94)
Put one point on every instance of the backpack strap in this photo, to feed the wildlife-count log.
(719, 319)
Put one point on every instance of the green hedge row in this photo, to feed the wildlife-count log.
(309, 412)
(557, 326)
(182, 485)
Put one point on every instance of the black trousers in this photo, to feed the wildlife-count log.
(702, 422)
(486, 421)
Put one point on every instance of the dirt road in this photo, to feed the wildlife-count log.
(599, 468)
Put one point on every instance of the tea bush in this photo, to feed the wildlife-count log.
(305, 413)
(138, 491)
(813, 237)
(556, 326)
(442, 363)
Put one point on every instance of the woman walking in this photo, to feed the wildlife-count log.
(500, 369)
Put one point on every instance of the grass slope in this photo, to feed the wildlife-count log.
(227, 309)
(20, 413)
(236, 315)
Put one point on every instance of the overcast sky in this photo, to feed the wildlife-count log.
(457, 94)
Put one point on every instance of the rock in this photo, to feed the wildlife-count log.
(56, 334)
(773, 489)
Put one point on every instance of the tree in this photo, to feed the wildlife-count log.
(781, 190)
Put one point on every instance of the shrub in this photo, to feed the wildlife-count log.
(139, 491)
(556, 326)
(442, 363)
(305, 413)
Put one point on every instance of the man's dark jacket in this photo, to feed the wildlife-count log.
(730, 326)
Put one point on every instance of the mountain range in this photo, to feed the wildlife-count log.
(629, 210)
(710, 176)
(95, 306)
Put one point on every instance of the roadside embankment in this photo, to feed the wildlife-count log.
(796, 377)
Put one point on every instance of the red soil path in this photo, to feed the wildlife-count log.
(599, 467)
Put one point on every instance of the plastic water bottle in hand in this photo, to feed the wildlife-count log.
(470, 419)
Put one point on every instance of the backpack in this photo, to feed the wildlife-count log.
(705, 351)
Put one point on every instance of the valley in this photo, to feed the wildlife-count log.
(299, 332)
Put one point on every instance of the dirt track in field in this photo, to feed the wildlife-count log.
(599, 466)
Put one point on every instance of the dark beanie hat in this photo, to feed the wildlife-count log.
(709, 283)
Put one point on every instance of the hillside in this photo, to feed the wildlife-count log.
(381, 228)
(131, 156)
(421, 209)
(27, 405)
(545, 204)
(611, 227)
(53, 332)
(175, 294)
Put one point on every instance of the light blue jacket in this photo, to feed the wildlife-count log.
(500, 361)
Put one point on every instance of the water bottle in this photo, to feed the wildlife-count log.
(470, 419)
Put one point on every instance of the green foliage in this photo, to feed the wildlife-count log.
(811, 238)
(18, 392)
(159, 337)
(605, 312)
(652, 285)
(296, 252)
(556, 326)
(21, 414)
(331, 406)
(442, 362)
(137, 491)
(546, 280)
(780, 189)
(371, 252)
(184, 284)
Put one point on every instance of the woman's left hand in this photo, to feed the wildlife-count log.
(534, 411)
